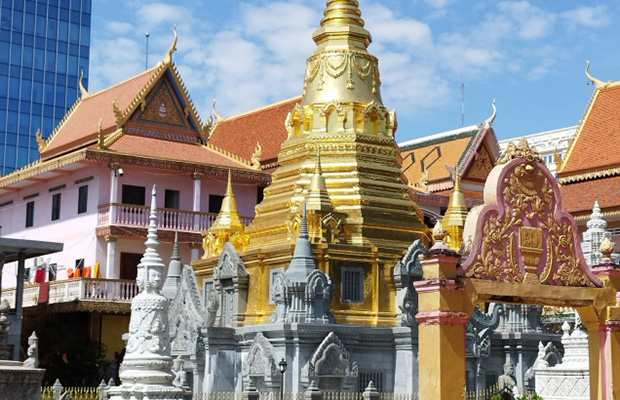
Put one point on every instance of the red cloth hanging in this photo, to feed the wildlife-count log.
(39, 275)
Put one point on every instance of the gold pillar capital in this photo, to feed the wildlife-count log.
(197, 176)
(114, 166)
(195, 245)
(110, 238)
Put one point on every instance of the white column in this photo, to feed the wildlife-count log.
(197, 177)
(114, 167)
(110, 272)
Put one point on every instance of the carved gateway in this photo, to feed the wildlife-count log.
(522, 234)
(330, 366)
(260, 365)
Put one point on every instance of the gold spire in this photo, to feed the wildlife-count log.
(341, 68)
(227, 227)
(454, 219)
(318, 198)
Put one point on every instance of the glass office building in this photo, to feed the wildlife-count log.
(44, 47)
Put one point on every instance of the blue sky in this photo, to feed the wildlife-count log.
(530, 56)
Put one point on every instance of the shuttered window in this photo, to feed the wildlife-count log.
(353, 285)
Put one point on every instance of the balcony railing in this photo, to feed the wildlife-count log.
(69, 290)
(92, 289)
(31, 295)
(167, 218)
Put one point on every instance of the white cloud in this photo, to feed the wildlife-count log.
(533, 22)
(158, 13)
(119, 27)
(589, 17)
(114, 61)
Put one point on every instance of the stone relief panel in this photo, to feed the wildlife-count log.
(260, 365)
(330, 366)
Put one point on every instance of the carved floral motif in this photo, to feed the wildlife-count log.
(526, 237)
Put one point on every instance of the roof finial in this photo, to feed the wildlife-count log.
(317, 167)
(218, 117)
(83, 90)
(100, 134)
(168, 59)
(492, 117)
(597, 83)
(41, 141)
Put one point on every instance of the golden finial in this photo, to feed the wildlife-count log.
(41, 141)
(318, 198)
(597, 83)
(208, 127)
(255, 160)
(342, 12)
(118, 113)
(100, 134)
(227, 226)
(521, 150)
(439, 232)
(422, 184)
(218, 117)
(168, 59)
(456, 214)
(83, 90)
(558, 159)
(607, 247)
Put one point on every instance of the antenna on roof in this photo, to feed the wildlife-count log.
(462, 102)
(146, 62)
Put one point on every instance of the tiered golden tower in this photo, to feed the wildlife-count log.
(456, 214)
(341, 158)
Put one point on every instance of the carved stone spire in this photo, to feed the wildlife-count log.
(174, 270)
(146, 370)
(456, 214)
(302, 263)
(593, 237)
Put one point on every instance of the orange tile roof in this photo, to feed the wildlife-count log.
(82, 123)
(469, 194)
(580, 196)
(160, 148)
(593, 146)
(452, 147)
(441, 199)
(239, 134)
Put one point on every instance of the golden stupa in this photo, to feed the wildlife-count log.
(456, 214)
(341, 158)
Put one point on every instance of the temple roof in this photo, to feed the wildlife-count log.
(473, 148)
(266, 125)
(155, 99)
(591, 153)
(578, 197)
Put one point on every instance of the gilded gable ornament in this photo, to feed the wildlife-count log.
(41, 141)
(255, 160)
(525, 236)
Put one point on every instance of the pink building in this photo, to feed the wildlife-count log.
(91, 191)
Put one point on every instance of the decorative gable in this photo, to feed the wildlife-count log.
(186, 315)
(481, 167)
(162, 107)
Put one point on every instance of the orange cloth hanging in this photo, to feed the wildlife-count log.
(86, 273)
(78, 273)
(70, 273)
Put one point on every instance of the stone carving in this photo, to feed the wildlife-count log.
(33, 352)
(5, 327)
(508, 380)
(303, 293)
(406, 271)
(594, 236)
(330, 366)
(479, 329)
(228, 298)
(260, 366)
(569, 379)
(146, 369)
(180, 376)
(526, 237)
(186, 315)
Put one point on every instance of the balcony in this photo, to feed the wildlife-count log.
(171, 219)
(77, 289)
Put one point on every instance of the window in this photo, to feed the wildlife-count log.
(56, 206)
(352, 285)
(215, 203)
(82, 199)
(171, 199)
(29, 214)
(133, 195)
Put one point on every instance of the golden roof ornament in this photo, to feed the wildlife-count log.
(118, 113)
(227, 227)
(521, 150)
(318, 197)
(558, 159)
(456, 214)
(41, 141)
(100, 135)
(489, 121)
(218, 117)
(607, 248)
(255, 160)
(598, 84)
(83, 90)
(168, 58)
